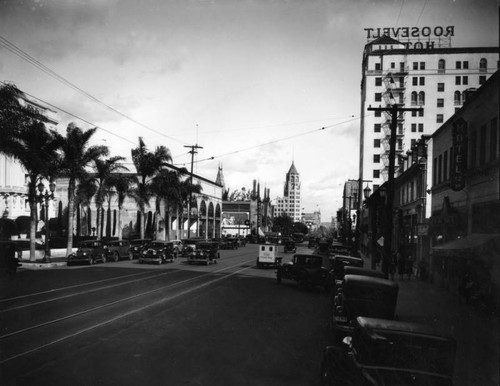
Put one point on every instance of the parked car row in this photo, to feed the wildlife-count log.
(144, 250)
(372, 346)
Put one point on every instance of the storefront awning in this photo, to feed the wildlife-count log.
(475, 242)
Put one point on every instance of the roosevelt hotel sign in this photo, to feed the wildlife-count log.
(415, 37)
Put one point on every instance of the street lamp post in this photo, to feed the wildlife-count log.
(44, 198)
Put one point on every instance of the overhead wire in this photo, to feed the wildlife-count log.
(273, 141)
(30, 59)
(421, 12)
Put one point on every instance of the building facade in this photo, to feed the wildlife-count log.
(465, 221)
(291, 202)
(433, 76)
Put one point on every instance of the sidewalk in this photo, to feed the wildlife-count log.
(477, 334)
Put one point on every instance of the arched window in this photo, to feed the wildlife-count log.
(483, 64)
(457, 97)
(414, 98)
(441, 65)
(421, 98)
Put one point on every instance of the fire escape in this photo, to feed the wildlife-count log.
(395, 86)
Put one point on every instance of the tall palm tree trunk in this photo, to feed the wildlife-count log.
(71, 216)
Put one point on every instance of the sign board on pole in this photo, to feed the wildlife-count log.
(380, 241)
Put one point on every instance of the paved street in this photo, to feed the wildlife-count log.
(128, 324)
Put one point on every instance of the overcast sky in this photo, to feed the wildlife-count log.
(252, 82)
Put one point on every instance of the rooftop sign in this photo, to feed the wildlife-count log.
(414, 37)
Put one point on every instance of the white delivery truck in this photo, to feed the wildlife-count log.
(268, 255)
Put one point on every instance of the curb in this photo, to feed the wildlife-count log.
(35, 265)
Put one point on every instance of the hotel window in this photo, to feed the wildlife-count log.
(376, 158)
(465, 80)
(414, 98)
(440, 102)
(458, 65)
(378, 81)
(465, 65)
(458, 80)
(483, 65)
(413, 127)
(482, 79)
(377, 127)
(422, 81)
(421, 98)
(457, 98)
(378, 97)
(400, 144)
(422, 65)
(376, 173)
(378, 113)
(440, 118)
(413, 142)
(393, 65)
(415, 65)
(441, 66)
(378, 67)
(420, 127)
(401, 129)
(493, 139)
(440, 87)
(376, 142)
(402, 66)
(414, 81)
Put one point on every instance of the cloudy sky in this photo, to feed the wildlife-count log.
(251, 81)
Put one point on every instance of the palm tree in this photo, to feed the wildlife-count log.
(187, 189)
(147, 164)
(104, 169)
(122, 185)
(78, 155)
(85, 191)
(15, 116)
(166, 186)
(36, 148)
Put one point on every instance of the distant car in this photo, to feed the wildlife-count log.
(177, 246)
(339, 262)
(206, 252)
(117, 250)
(188, 246)
(89, 251)
(387, 352)
(306, 270)
(158, 252)
(268, 255)
(136, 247)
(362, 296)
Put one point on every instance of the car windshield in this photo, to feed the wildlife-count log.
(90, 244)
(408, 351)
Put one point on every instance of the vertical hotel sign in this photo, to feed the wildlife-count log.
(459, 160)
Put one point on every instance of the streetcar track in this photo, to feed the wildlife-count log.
(120, 316)
(17, 332)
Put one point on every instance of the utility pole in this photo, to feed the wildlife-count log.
(193, 151)
(394, 110)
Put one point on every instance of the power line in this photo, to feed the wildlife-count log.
(400, 9)
(274, 141)
(23, 55)
(421, 12)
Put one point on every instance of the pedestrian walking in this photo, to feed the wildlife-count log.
(409, 267)
(401, 265)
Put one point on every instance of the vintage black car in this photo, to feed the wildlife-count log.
(8, 258)
(362, 296)
(158, 252)
(89, 251)
(289, 246)
(353, 270)
(189, 245)
(136, 247)
(336, 248)
(117, 250)
(206, 252)
(338, 262)
(386, 352)
(306, 270)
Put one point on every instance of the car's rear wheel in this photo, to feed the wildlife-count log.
(130, 256)
(116, 257)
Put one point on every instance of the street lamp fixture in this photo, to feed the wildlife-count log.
(44, 197)
(366, 192)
